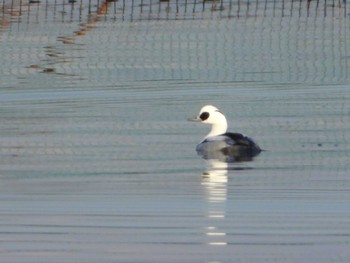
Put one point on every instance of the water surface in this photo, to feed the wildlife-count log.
(98, 162)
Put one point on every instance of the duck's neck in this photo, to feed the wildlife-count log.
(217, 129)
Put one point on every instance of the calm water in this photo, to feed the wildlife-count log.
(98, 162)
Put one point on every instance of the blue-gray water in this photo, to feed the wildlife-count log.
(98, 162)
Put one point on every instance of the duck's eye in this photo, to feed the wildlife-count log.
(204, 116)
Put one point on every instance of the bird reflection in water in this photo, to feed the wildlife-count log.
(220, 148)
(222, 152)
(214, 181)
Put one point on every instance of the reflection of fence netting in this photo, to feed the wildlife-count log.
(73, 75)
(269, 50)
(158, 9)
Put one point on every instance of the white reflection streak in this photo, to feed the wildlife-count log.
(215, 183)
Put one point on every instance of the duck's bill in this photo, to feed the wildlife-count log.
(195, 119)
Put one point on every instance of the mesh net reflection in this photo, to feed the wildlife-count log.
(75, 10)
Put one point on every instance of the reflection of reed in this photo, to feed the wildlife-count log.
(58, 57)
(178, 9)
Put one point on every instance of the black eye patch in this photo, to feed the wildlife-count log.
(204, 116)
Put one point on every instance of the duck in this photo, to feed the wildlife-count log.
(220, 144)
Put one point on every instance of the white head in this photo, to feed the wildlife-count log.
(212, 115)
